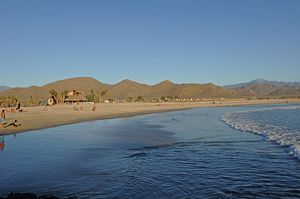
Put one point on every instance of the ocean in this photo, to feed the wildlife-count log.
(226, 152)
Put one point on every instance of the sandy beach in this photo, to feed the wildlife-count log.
(34, 118)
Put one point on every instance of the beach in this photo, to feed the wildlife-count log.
(219, 152)
(34, 118)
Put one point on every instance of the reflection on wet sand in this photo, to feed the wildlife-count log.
(1, 143)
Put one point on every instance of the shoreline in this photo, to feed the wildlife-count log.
(37, 118)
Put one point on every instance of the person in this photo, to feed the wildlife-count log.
(12, 110)
(3, 118)
(16, 123)
(18, 106)
(94, 107)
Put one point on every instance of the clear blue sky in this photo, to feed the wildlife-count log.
(223, 42)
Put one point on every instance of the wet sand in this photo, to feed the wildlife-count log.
(35, 118)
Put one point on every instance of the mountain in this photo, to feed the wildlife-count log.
(262, 81)
(4, 88)
(261, 87)
(197, 91)
(164, 88)
(128, 88)
(80, 83)
(122, 90)
(286, 90)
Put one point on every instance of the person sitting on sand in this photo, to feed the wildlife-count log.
(3, 119)
(21, 110)
(14, 124)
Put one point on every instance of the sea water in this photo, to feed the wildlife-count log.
(278, 124)
(229, 152)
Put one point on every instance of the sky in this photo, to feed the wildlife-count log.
(199, 41)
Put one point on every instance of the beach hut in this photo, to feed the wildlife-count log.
(76, 96)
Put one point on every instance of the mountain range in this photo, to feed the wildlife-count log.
(263, 81)
(262, 87)
(4, 88)
(128, 88)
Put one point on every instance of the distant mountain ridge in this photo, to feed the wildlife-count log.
(122, 90)
(262, 87)
(262, 81)
(4, 88)
(131, 89)
(42, 92)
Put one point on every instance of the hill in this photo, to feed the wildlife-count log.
(128, 88)
(259, 81)
(80, 83)
(261, 87)
(4, 88)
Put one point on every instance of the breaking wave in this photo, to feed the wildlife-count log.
(283, 135)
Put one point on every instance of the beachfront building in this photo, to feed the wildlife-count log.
(75, 96)
(109, 100)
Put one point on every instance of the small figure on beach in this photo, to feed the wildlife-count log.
(16, 123)
(3, 119)
(94, 107)
(47, 108)
(13, 110)
(18, 106)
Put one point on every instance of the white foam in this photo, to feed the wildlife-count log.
(282, 135)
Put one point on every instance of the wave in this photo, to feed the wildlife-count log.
(141, 154)
(280, 134)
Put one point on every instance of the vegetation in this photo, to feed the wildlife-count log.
(33, 101)
(53, 93)
(91, 96)
(64, 94)
(8, 101)
(166, 99)
(129, 99)
(96, 97)
(102, 93)
(140, 99)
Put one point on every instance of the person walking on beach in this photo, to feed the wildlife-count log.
(18, 106)
(94, 107)
(3, 118)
